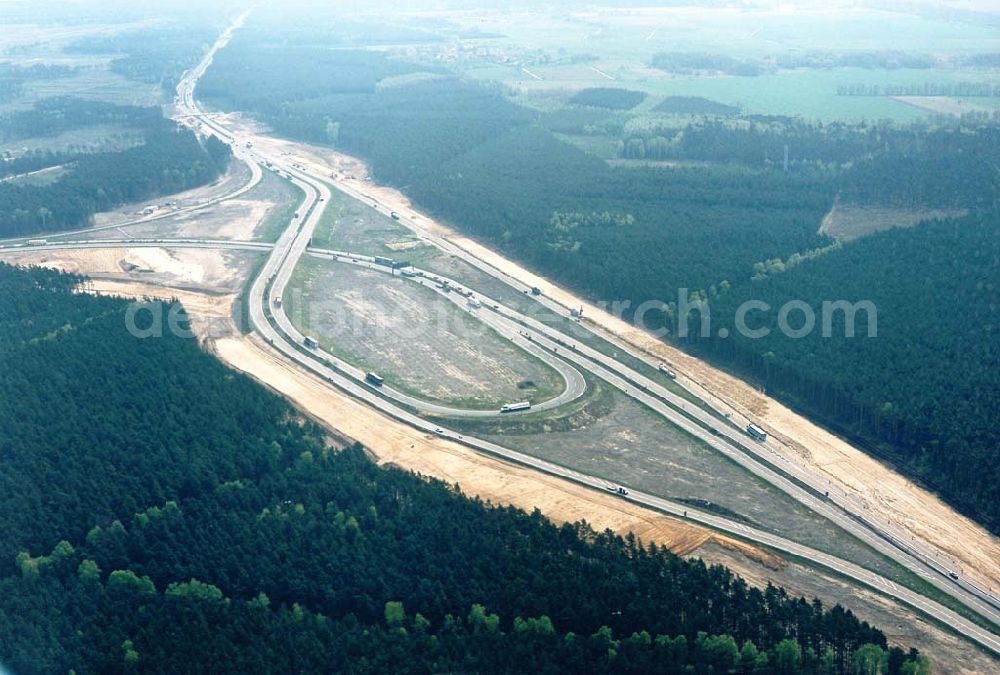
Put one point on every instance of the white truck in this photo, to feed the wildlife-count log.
(756, 433)
(666, 371)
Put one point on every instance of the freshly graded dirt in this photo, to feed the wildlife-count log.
(901, 625)
(396, 444)
(207, 269)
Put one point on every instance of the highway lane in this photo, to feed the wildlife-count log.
(291, 245)
(256, 175)
(931, 564)
(512, 329)
(288, 252)
(687, 416)
(228, 244)
(574, 384)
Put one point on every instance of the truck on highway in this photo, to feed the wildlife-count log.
(394, 215)
(756, 433)
(310, 342)
(374, 379)
(618, 489)
(514, 407)
(666, 371)
(37, 242)
(382, 260)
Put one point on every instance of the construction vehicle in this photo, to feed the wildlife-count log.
(515, 407)
(374, 379)
(756, 433)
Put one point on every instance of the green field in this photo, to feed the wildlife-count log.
(564, 54)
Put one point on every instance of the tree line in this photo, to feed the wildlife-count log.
(611, 98)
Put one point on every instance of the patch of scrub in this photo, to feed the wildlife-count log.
(849, 221)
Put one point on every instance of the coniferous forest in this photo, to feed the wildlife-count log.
(161, 510)
(168, 160)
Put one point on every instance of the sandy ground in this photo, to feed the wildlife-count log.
(889, 496)
(396, 444)
(901, 625)
(202, 269)
(235, 177)
(237, 219)
(210, 314)
(391, 442)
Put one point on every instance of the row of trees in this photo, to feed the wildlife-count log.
(608, 97)
(186, 519)
(688, 62)
(694, 105)
(975, 89)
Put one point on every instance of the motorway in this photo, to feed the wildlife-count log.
(274, 326)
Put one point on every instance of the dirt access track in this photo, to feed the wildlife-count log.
(887, 495)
